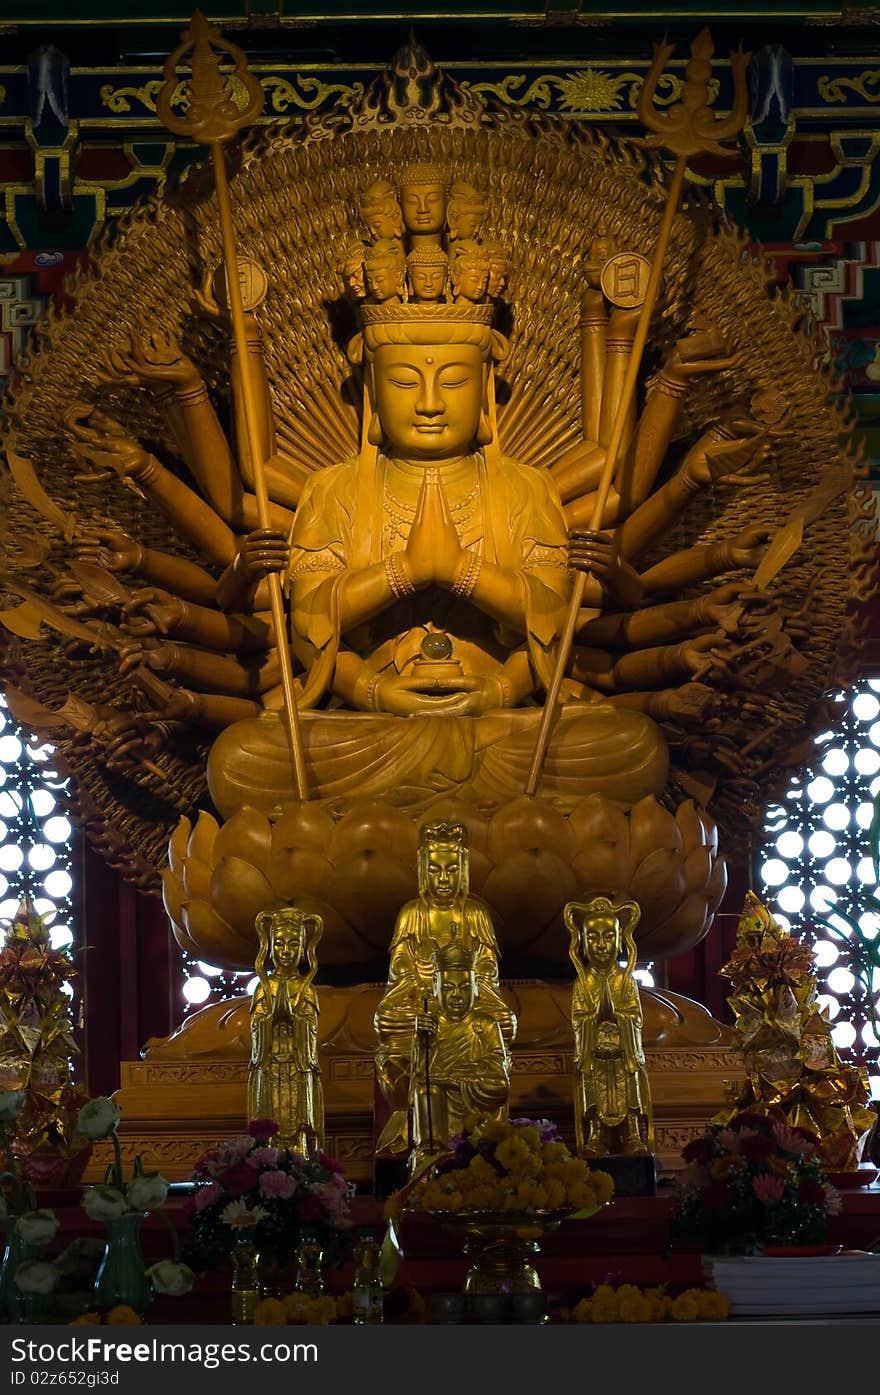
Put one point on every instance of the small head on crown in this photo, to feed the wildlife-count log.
(411, 331)
(466, 211)
(423, 189)
(469, 272)
(443, 862)
(380, 210)
(427, 270)
(385, 270)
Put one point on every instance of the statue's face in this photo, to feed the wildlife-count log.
(497, 276)
(428, 281)
(428, 397)
(287, 947)
(381, 211)
(466, 219)
(471, 278)
(383, 280)
(602, 941)
(443, 875)
(424, 208)
(456, 990)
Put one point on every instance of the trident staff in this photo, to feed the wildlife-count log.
(212, 118)
(688, 128)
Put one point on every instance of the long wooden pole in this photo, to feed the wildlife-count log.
(239, 334)
(630, 383)
(213, 118)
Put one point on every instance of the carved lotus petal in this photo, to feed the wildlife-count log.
(248, 835)
(178, 844)
(303, 872)
(478, 870)
(173, 895)
(596, 819)
(369, 889)
(196, 878)
(375, 827)
(527, 891)
(302, 826)
(239, 892)
(696, 828)
(217, 941)
(529, 824)
(602, 869)
(201, 840)
(698, 869)
(658, 883)
(680, 931)
(650, 827)
(717, 884)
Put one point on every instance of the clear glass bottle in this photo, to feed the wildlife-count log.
(309, 1265)
(245, 1282)
(368, 1296)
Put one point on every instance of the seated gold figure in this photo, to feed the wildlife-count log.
(428, 579)
(284, 1080)
(459, 1064)
(612, 1097)
(443, 915)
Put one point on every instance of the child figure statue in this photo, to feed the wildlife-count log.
(612, 1104)
(284, 1080)
(459, 1064)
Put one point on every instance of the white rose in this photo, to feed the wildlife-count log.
(35, 1276)
(98, 1118)
(104, 1203)
(11, 1104)
(37, 1227)
(147, 1192)
(168, 1276)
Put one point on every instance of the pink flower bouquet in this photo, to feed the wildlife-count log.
(752, 1183)
(249, 1189)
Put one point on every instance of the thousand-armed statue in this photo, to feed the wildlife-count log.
(428, 412)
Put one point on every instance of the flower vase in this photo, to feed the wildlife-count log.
(15, 1306)
(122, 1277)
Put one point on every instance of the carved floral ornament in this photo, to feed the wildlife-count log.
(580, 92)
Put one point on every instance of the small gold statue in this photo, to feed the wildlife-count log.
(612, 1097)
(443, 915)
(284, 1079)
(459, 1064)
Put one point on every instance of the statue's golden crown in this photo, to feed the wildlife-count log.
(443, 835)
(460, 306)
(452, 957)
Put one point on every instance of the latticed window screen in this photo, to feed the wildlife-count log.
(204, 983)
(815, 859)
(36, 836)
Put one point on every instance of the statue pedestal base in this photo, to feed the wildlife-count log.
(633, 1176)
(188, 1092)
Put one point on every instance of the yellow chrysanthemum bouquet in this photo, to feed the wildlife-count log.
(510, 1165)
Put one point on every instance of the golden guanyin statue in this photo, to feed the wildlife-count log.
(284, 1078)
(443, 916)
(440, 302)
(612, 1096)
(459, 1062)
(429, 574)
